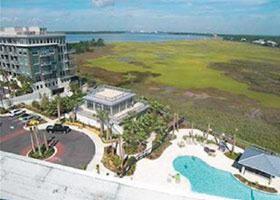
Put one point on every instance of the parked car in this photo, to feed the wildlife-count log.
(15, 112)
(23, 116)
(58, 128)
(27, 118)
(37, 117)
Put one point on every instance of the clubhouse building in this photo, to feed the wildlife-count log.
(118, 102)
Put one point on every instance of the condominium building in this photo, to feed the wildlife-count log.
(39, 55)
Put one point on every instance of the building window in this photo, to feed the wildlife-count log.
(106, 108)
(90, 105)
(98, 106)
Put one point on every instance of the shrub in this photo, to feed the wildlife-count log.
(36, 105)
(132, 160)
(117, 161)
(3, 111)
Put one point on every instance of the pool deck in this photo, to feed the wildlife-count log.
(157, 172)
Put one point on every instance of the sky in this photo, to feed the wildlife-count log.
(261, 17)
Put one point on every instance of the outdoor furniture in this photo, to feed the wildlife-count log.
(222, 146)
(177, 178)
(210, 152)
(181, 144)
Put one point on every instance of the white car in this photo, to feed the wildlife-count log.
(15, 112)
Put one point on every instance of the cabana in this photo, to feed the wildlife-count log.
(261, 162)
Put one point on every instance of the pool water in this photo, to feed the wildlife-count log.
(209, 180)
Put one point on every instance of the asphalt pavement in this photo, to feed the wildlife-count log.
(75, 149)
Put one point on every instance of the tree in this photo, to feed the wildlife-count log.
(6, 80)
(100, 42)
(120, 148)
(32, 140)
(14, 86)
(75, 89)
(58, 107)
(103, 117)
(45, 101)
(26, 83)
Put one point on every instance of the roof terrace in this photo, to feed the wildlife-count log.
(109, 95)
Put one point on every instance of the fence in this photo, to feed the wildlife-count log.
(239, 142)
(27, 99)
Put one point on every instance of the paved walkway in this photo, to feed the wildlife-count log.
(29, 179)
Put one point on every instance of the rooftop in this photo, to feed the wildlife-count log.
(261, 160)
(26, 178)
(109, 95)
(25, 31)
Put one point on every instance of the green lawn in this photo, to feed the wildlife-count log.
(185, 64)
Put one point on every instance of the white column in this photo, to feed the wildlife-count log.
(270, 180)
(243, 170)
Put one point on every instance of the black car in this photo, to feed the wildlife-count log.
(58, 128)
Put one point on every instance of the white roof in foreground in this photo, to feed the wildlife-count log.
(26, 178)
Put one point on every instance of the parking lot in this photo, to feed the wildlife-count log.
(75, 149)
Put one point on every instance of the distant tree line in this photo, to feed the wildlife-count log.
(253, 39)
(85, 46)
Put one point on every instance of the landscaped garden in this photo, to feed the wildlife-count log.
(39, 150)
(133, 141)
(45, 153)
(49, 107)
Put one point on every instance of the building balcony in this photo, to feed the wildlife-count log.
(47, 54)
(45, 64)
(71, 51)
(46, 72)
(70, 67)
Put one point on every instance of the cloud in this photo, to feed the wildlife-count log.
(102, 3)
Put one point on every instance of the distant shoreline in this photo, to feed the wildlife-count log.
(162, 32)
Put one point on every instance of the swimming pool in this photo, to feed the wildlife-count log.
(209, 180)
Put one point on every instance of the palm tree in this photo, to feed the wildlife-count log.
(233, 144)
(121, 148)
(35, 123)
(192, 131)
(103, 117)
(6, 80)
(14, 86)
(58, 107)
(32, 140)
(207, 132)
(36, 131)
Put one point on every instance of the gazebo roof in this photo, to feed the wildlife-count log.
(261, 160)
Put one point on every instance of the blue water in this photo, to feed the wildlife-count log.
(209, 180)
(132, 37)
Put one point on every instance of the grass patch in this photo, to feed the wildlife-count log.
(255, 184)
(233, 156)
(187, 64)
(253, 73)
(45, 153)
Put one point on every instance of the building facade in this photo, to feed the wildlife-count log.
(39, 55)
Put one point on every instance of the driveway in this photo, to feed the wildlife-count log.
(75, 149)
